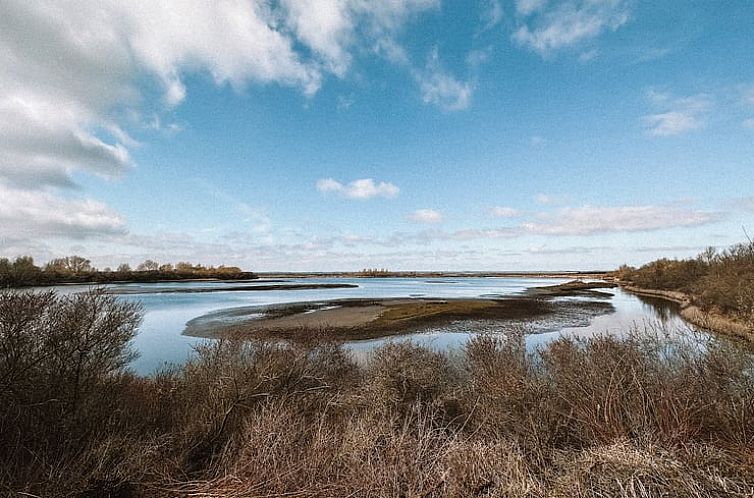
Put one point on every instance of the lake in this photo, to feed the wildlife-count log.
(160, 338)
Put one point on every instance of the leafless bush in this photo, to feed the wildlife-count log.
(720, 281)
(642, 415)
(62, 364)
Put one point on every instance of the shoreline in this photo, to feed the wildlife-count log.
(597, 274)
(101, 278)
(694, 315)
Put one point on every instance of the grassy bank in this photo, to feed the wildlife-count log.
(715, 289)
(645, 415)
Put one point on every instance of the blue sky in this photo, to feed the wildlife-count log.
(407, 134)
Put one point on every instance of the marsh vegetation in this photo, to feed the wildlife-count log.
(717, 281)
(648, 414)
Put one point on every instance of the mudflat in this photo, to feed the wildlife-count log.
(352, 319)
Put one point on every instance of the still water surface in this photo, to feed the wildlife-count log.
(160, 340)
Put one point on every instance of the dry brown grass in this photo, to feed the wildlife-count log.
(642, 416)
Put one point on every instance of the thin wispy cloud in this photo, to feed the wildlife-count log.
(365, 188)
(527, 7)
(400, 239)
(679, 115)
(537, 140)
(505, 212)
(426, 216)
(593, 220)
(546, 27)
(551, 199)
(652, 54)
(442, 89)
(588, 56)
(747, 203)
(492, 14)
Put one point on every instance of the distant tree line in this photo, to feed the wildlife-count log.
(374, 272)
(717, 280)
(23, 272)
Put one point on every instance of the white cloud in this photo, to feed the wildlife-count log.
(428, 216)
(749, 123)
(365, 188)
(588, 56)
(483, 233)
(679, 116)
(330, 28)
(463, 235)
(344, 102)
(550, 26)
(527, 7)
(672, 123)
(325, 26)
(505, 212)
(551, 199)
(590, 220)
(441, 88)
(70, 72)
(537, 140)
(492, 14)
(37, 215)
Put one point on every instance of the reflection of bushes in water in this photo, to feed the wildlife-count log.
(600, 417)
(665, 311)
(718, 280)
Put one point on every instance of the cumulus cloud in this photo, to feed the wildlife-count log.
(504, 212)
(38, 215)
(69, 73)
(429, 216)
(548, 26)
(591, 220)
(365, 188)
(679, 115)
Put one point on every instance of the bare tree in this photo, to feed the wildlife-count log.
(148, 265)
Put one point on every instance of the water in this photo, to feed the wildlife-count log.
(160, 340)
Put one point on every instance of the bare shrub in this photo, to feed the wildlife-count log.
(721, 282)
(62, 368)
(640, 415)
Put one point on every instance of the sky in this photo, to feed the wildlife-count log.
(327, 135)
